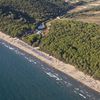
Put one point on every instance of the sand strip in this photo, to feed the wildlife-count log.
(57, 64)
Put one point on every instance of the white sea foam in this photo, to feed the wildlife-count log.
(56, 76)
(8, 46)
(18, 52)
(30, 60)
(77, 89)
(35, 62)
(68, 84)
(82, 95)
(53, 76)
(42, 65)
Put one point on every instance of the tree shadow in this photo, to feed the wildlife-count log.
(11, 12)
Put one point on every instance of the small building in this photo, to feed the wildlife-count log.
(41, 26)
(58, 17)
(39, 32)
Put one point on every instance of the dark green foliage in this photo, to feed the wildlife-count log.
(15, 22)
(33, 39)
(14, 28)
(76, 43)
(19, 16)
(40, 9)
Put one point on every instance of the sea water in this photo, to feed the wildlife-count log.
(23, 77)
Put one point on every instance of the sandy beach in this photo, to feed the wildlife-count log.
(55, 63)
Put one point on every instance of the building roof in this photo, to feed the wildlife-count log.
(41, 26)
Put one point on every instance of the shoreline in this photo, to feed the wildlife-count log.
(53, 62)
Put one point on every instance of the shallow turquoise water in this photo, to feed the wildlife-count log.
(25, 78)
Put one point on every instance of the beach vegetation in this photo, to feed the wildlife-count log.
(76, 43)
(33, 39)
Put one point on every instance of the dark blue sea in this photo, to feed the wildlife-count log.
(23, 77)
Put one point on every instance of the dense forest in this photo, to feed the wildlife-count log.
(20, 18)
(73, 42)
(39, 9)
(17, 17)
(76, 43)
